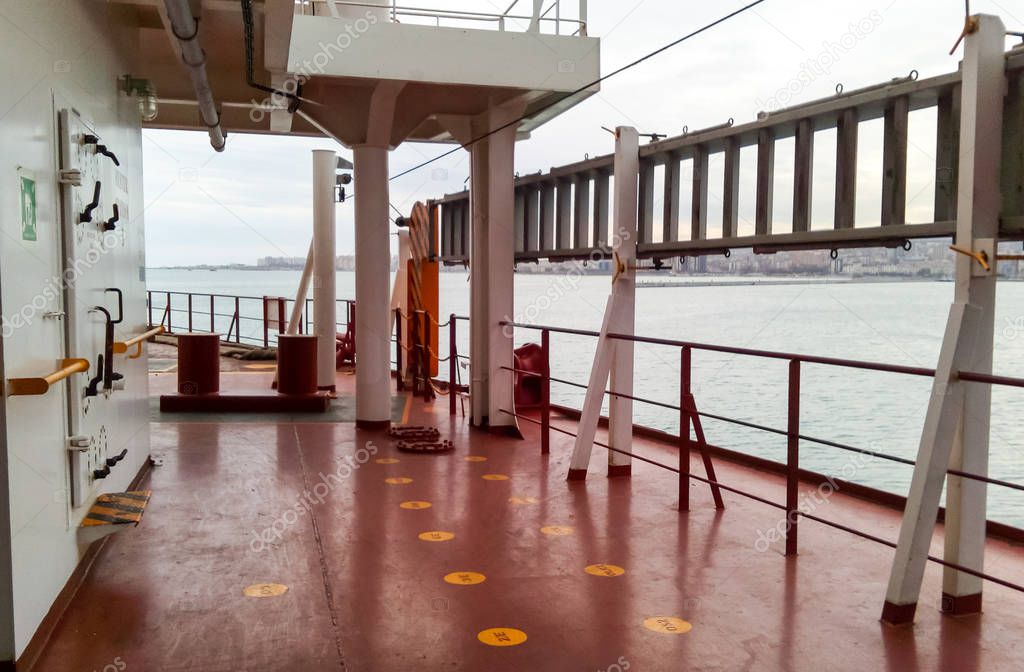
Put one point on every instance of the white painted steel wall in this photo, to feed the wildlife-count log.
(379, 49)
(55, 55)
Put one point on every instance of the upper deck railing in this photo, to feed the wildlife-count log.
(554, 17)
(566, 212)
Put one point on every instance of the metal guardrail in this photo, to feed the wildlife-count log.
(565, 213)
(689, 415)
(246, 320)
(551, 20)
(689, 420)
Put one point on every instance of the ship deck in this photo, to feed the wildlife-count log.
(240, 503)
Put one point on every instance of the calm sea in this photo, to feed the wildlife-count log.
(896, 323)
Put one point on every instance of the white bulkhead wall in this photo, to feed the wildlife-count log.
(57, 55)
(353, 12)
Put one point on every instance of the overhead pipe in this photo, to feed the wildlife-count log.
(186, 30)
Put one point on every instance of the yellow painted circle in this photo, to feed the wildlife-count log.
(475, 458)
(387, 460)
(522, 500)
(557, 530)
(494, 477)
(398, 480)
(436, 535)
(501, 636)
(415, 505)
(265, 590)
(668, 625)
(261, 366)
(604, 570)
(464, 578)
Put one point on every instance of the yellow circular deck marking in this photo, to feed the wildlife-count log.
(501, 636)
(518, 501)
(668, 625)
(415, 505)
(604, 570)
(494, 477)
(261, 366)
(398, 480)
(387, 460)
(265, 590)
(557, 530)
(464, 578)
(436, 535)
(475, 458)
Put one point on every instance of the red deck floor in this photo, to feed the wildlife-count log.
(365, 593)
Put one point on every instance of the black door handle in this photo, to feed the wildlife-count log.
(86, 215)
(111, 461)
(111, 223)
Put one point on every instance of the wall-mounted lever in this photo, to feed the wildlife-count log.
(94, 383)
(101, 473)
(111, 223)
(86, 215)
(102, 149)
(111, 461)
(90, 139)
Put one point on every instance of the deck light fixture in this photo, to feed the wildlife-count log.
(145, 94)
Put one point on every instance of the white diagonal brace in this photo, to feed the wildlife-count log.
(614, 358)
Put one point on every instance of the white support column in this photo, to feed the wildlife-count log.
(957, 422)
(400, 297)
(373, 262)
(614, 359)
(325, 165)
(979, 205)
(479, 294)
(623, 239)
(492, 261)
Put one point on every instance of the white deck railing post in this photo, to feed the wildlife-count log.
(956, 428)
(614, 358)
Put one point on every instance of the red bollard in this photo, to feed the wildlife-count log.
(296, 364)
(198, 364)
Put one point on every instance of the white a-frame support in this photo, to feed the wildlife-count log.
(614, 357)
(956, 428)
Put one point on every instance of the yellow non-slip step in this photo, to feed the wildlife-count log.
(113, 512)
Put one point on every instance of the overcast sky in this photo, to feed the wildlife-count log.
(254, 199)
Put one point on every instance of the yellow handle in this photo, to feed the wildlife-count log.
(121, 347)
(33, 386)
(980, 257)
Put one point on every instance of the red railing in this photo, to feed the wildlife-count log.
(246, 318)
(691, 433)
